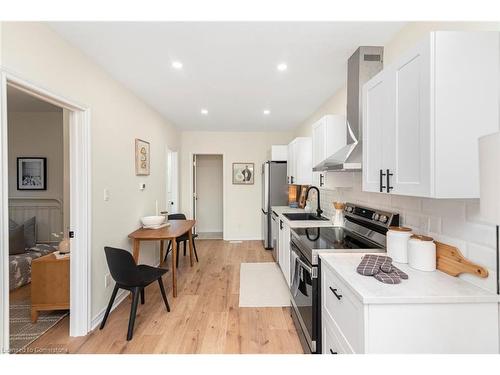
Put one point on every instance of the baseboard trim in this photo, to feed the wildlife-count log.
(96, 321)
(242, 239)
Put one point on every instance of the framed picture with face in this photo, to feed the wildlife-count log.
(243, 173)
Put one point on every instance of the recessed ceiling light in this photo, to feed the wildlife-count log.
(282, 67)
(176, 65)
(204, 111)
(266, 112)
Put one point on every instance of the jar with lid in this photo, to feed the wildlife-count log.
(422, 253)
(397, 243)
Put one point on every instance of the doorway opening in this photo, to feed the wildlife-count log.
(45, 199)
(38, 196)
(208, 200)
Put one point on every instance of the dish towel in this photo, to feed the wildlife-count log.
(381, 268)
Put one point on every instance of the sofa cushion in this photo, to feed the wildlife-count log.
(17, 244)
(30, 232)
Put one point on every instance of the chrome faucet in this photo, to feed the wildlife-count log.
(319, 211)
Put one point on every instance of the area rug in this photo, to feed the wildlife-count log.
(263, 285)
(22, 331)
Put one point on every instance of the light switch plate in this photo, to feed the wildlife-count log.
(106, 195)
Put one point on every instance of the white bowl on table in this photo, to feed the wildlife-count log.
(152, 221)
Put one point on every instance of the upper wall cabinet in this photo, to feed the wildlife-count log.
(424, 113)
(329, 134)
(299, 164)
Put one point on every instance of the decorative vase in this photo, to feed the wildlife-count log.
(64, 245)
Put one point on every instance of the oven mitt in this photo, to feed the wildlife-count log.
(400, 273)
(381, 268)
(371, 264)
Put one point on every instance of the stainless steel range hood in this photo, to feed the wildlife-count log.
(361, 66)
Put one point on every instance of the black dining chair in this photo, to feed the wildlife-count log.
(180, 240)
(129, 276)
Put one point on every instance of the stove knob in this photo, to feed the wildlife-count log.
(375, 216)
(348, 208)
(383, 218)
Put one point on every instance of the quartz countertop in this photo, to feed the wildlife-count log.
(280, 210)
(421, 286)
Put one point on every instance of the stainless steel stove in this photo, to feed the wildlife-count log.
(364, 231)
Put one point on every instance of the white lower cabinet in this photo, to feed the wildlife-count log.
(351, 326)
(284, 250)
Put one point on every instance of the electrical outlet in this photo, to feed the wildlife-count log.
(107, 280)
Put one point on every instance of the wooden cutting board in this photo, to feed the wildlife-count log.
(451, 261)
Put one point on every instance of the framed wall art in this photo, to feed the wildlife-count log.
(142, 157)
(31, 173)
(243, 173)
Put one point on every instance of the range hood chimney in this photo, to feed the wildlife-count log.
(361, 66)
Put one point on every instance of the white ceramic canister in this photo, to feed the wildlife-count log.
(397, 243)
(422, 253)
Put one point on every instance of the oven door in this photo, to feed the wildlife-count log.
(304, 293)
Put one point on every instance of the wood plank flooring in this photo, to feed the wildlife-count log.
(204, 318)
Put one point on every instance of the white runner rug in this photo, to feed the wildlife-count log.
(263, 285)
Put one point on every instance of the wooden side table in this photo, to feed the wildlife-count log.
(49, 284)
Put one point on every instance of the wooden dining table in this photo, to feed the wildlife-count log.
(176, 228)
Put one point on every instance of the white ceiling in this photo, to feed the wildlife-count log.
(19, 101)
(228, 68)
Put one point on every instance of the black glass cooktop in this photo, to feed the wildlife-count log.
(330, 238)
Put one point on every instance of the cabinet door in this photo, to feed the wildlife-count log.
(303, 161)
(286, 253)
(290, 162)
(375, 116)
(410, 79)
(318, 142)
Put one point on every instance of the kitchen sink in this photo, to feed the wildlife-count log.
(304, 216)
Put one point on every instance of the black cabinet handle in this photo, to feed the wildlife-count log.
(281, 225)
(291, 180)
(389, 187)
(332, 352)
(334, 291)
(321, 177)
(381, 187)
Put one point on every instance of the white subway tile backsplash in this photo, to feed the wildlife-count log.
(453, 221)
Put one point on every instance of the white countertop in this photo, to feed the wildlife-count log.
(421, 287)
(280, 210)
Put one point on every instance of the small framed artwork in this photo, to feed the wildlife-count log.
(31, 173)
(142, 156)
(243, 173)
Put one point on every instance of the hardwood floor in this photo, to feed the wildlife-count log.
(205, 317)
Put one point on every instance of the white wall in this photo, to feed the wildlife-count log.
(37, 134)
(241, 202)
(456, 222)
(209, 188)
(37, 54)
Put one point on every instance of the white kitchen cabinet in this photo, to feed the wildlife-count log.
(424, 113)
(284, 250)
(329, 134)
(431, 312)
(299, 163)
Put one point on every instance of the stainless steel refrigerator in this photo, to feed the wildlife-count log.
(274, 193)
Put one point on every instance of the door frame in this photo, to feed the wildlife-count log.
(80, 205)
(192, 182)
